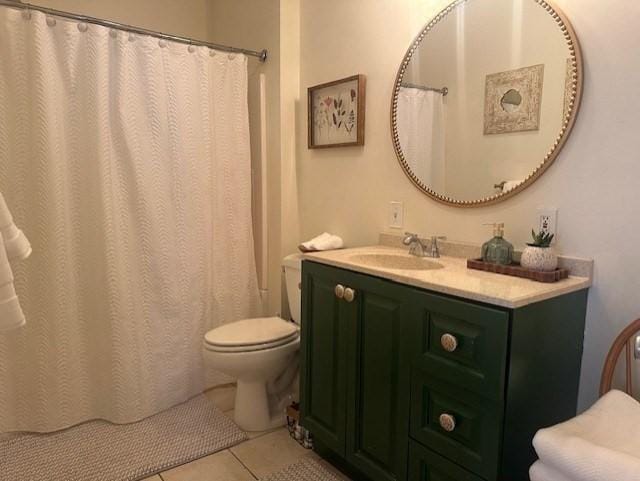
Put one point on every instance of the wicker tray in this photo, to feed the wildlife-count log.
(516, 270)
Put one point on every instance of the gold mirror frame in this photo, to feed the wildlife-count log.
(567, 124)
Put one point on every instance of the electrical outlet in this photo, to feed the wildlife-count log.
(548, 221)
(396, 215)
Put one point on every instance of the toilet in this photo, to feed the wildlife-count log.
(262, 355)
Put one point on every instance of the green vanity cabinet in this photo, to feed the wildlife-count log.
(400, 383)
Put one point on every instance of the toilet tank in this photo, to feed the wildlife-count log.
(292, 266)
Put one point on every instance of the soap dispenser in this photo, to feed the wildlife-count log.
(497, 250)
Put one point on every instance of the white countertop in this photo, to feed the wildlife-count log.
(454, 278)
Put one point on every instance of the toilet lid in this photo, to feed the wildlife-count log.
(252, 332)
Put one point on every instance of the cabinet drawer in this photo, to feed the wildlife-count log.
(462, 343)
(472, 437)
(425, 465)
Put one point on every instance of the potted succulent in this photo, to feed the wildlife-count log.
(539, 255)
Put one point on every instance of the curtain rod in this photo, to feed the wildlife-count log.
(444, 90)
(262, 55)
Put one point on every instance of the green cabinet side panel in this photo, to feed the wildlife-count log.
(323, 354)
(544, 374)
(425, 465)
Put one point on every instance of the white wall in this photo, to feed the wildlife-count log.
(290, 109)
(186, 18)
(594, 182)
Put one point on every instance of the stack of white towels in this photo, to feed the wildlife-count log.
(323, 242)
(13, 246)
(602, 444)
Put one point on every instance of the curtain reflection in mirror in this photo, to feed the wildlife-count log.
(421, 125)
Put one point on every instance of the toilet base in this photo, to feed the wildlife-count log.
(252, 408)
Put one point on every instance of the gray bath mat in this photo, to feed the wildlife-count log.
(101, 451)
(307, 469)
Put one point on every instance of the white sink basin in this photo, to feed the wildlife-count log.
(395, 261)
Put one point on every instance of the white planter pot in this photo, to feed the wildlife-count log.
(539, 258)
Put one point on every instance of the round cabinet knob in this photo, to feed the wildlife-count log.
(339, 290)
(447, 422)
(449, 342)
(349, 294)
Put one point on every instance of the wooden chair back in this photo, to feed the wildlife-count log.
(630, 342)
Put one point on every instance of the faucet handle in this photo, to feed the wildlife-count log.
(410, 238)
(435, 250)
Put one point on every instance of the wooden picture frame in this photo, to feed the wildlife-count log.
(336, 113)
(526, 83)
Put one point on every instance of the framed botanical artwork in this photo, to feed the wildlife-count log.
(337, 113)
(512, 100)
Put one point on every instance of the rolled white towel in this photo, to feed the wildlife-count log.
(15, 242)
(323, 242)
(11, 315)
(510, 185)
(602, 444)
(541, 472)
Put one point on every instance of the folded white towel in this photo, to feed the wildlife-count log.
(541, 472)
(323, 242)
(16, 243)
(11, 315)
(602, 444)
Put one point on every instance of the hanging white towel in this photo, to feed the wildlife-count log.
(13, 245)
(15, 242)
(323, 242)
(602, 444)
(11, 315)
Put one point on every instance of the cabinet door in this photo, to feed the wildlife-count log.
(323, 355)
(378, 380)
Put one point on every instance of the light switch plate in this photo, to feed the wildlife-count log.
(396, 215)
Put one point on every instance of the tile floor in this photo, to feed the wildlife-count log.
(263, 454)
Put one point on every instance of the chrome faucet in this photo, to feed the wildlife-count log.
(416, 247)
(419, 249)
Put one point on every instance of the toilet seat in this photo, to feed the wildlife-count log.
(252, 335)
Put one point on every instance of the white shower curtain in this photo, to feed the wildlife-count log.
(126, 161)
(421, 126)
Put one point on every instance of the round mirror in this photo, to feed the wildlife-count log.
(485, 98)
